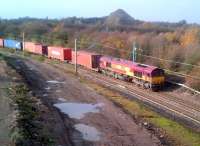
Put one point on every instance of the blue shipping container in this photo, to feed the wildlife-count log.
(8, 43)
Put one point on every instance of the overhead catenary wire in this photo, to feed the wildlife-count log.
(108, 46)
(93, 43)
(167, 60)
(182, 74)
(177, 73)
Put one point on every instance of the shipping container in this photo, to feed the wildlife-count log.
(1, 42)
(36, 48)
(87, 59)
(60, 53)
(29, 47)
(13, 44)
(40, 49)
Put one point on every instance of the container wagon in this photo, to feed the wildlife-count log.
(13, 44)
(87, 59)
(29, 47)
(60, 53)
(36, 48)
(1, 42)
(41, 49)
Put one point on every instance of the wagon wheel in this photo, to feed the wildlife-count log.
(146, 85)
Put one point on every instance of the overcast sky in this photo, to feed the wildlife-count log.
(150, 10)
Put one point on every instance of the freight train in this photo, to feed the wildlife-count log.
(147, 76)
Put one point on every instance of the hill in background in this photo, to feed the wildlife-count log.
(119, 17)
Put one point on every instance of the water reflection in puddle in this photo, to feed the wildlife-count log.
(45, 95)
(58, 91)
(89, 133)
(55, 82)
(47, 88)
(78, 110)
(62, 99)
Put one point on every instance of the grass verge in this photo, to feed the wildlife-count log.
(28, 129)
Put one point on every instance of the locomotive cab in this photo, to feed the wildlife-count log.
(157, 79)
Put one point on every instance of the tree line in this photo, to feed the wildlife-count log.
(179, 42)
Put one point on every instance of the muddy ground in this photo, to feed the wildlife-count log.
(76, 114)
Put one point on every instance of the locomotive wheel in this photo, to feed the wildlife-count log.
(146, 85)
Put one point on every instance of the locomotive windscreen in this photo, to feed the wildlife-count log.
(157, 72)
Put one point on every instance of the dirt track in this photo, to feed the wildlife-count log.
(114, 127)
(7, 113)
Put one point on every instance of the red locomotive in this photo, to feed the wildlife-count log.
(142, 74)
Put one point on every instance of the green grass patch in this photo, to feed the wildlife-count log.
(29, 129)
(10, 50)
(38, 58)
(22, 54)
(26, 54)
(1, 57)
(181, 135)
(53, 62)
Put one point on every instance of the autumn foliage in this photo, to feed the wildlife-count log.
(177, 42)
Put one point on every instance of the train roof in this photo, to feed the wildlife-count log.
(86, 52)
(136, 66)
(59, 47)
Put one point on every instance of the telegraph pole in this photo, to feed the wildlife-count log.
(23, 41)
(134, 52)
(75, 55)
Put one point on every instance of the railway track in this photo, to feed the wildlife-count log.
(188, 111)
(176, 106)
(157, 95)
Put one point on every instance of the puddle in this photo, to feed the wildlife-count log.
(58, 91)
(78, 110)
(55, 82)
(89, 133)
(45, 95)
(47, 88)
(18, 61)
(62, 99)
(18, 67)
